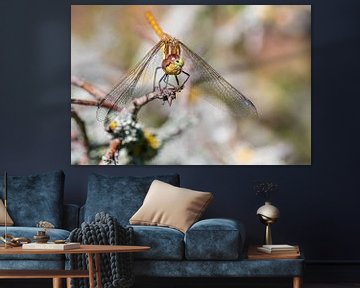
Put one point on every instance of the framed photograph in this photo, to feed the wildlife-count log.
(191, 85)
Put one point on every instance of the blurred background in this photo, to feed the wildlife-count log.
(263, 51)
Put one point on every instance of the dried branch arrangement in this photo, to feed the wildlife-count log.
(265, 189)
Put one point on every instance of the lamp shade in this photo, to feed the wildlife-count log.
(269, 211)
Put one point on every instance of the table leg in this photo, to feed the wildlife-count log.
(57, 283)
(91, 270)
(297, 282)
(68, 282)
(98, 270)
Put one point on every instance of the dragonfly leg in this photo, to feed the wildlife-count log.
(167, 93)
(166, 80)
(155, 74)
(187, 78)
(161, 79)
(170, 84)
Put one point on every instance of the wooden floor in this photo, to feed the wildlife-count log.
(45, 283)
(339, 285)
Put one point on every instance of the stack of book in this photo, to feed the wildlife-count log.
(274, 252)
(51, 246)
(279, 249)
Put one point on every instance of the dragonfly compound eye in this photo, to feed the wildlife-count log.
(180, 62)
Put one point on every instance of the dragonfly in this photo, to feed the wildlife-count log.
(170, 57)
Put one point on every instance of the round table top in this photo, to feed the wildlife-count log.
(91, 249)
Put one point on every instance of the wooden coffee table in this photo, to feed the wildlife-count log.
(57, 275)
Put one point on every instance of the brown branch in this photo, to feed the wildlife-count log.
(85, 102)
(167, 95)
(111, 153)
(95, 104)
(94, 91)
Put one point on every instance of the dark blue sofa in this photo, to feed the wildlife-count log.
(210, 248)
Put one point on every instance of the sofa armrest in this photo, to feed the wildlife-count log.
(71, 216)
(215, 239)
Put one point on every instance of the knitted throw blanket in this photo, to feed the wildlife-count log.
(116, 268)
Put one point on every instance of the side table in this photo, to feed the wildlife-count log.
(292, 259)
(92, 251)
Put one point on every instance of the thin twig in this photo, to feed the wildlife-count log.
(94, 91)
(167, 95)
(95, 104)
(85, 102)
(82, 128)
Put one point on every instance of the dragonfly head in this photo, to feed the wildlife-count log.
(173, 64)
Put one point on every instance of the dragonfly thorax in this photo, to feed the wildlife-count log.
(172, 64)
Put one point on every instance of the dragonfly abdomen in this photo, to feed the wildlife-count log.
(150, 17)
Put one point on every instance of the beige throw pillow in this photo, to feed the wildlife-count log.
(170, 206)
(10, 222)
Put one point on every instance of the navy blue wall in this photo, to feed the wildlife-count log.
(318, 203)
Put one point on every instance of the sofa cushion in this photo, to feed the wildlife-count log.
(170, 206)
(119, 196)
(165, 243)
(29, 232)
(9, 221)
(214, 239)
(35, 198)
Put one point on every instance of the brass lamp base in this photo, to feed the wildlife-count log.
(268, 238)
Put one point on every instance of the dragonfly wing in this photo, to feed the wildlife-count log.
(216, 86)
(136, 83)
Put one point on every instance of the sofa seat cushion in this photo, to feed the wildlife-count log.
(29, 232)
(119, 196)
(166, 243)
(214, 239)
(39, 264)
